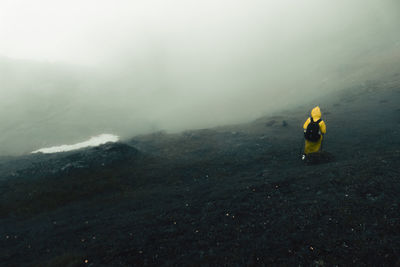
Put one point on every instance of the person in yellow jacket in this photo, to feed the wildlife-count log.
(314, 129)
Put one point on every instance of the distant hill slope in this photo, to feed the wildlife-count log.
(235, 195)
(48, 104)
(358, 118)
(38, 165)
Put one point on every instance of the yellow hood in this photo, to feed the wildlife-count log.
(316, 113)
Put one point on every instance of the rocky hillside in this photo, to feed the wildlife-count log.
(232, 195)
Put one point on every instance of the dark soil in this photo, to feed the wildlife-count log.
(235, 195)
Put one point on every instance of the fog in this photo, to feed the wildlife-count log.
(74, 69)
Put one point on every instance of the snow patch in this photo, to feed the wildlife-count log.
(94, 141)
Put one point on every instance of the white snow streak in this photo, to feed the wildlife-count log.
(94, 141)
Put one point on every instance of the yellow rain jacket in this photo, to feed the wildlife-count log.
(312, 147)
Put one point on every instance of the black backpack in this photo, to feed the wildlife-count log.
(312, 133)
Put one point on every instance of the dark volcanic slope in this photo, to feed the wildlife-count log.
(235, 195)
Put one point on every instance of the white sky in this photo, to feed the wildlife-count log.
(90, 31)
(56, 30)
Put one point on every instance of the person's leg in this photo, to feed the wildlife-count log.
(312, 147)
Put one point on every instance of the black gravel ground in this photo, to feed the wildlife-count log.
(235, 195)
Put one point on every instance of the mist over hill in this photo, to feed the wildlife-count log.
(204, 103)
(233, 194)
(135, 68)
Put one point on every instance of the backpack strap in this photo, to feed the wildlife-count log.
(318, 121)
